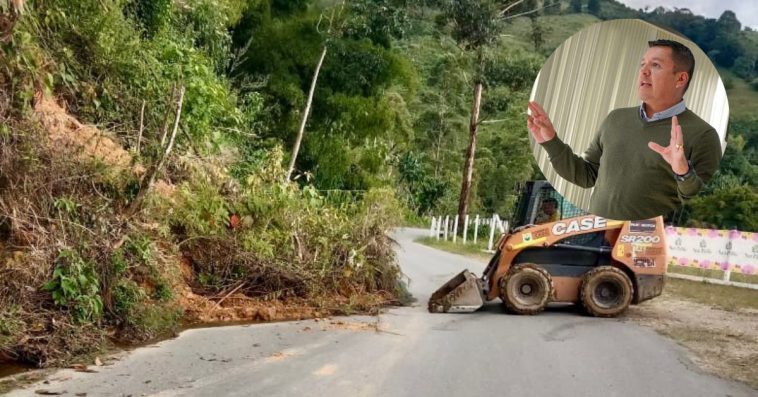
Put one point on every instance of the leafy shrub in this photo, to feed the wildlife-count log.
(149, 320)
(126, 295)
(119, 263)
(732, 207)
(105, 67)
(286, 240)
(139, 318)
(76, 286)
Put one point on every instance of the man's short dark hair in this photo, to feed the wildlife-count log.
(550, 200)
(684, 61)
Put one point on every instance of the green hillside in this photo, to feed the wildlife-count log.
(558, 28)
(743, 99)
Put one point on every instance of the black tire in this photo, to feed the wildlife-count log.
(526, 289)
(606, 291)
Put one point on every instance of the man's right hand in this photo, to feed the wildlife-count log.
(539, 123)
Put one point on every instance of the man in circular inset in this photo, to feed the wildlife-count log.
(644, 161)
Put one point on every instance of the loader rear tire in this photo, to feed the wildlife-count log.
(606, 291)
(526, 289)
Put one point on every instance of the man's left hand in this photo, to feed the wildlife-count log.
(674, 152)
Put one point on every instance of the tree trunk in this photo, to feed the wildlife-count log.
(149, 178)
(438, 145)
(307, 111)
(468, 169)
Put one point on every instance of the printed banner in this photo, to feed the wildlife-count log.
(713, 249)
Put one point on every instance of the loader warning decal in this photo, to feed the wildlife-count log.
(533, 235)
(578, 225)
(644, 262)
(646, 226)
(540, 233)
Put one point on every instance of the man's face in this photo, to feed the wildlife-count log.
(658, 84)
(548, 207)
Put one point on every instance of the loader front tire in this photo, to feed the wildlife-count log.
(606, 291)
(526, 289)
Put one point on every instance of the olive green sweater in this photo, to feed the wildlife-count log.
(632, 181)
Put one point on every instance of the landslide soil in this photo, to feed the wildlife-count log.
(199, 309)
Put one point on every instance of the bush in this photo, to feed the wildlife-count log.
(148, 320)
(126, 295)
(282, 240)
(76, 287)
(732, 207)
(106, 68)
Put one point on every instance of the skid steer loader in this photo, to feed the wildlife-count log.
(603, 264)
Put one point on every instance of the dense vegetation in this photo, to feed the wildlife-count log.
(204, 100)
(99, 241)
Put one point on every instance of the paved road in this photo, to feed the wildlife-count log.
(409, 352)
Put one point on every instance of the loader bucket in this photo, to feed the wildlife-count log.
(462, 294)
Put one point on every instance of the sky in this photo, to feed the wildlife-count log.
(746, 10)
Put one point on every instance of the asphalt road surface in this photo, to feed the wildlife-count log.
(408, 352)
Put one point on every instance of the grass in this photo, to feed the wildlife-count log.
(410, 219)
(713, 273)
(742, 98)
(560, 28)
(475, 251)
(721, 296)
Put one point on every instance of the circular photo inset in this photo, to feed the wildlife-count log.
(627, 120)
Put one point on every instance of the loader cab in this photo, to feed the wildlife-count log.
(536, 199)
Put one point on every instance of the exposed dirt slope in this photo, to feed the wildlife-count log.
(67, 133)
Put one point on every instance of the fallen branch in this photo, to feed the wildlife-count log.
(141, 127)
(226, 296)
(164, 130)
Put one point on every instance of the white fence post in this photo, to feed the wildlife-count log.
(439, 226)
(447, 224)
(476, 228)
(492, 232)
(431, 228)
(465, 230)
(455, 229)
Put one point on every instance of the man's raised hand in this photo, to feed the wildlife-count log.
(674, 152)
(539, 123)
